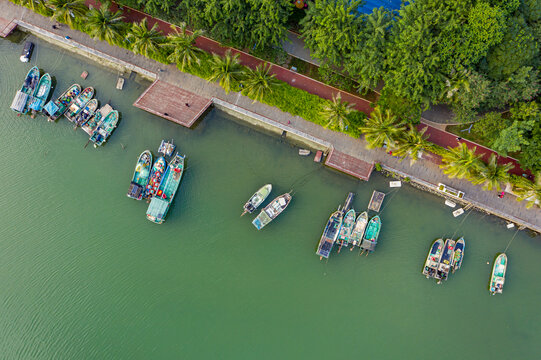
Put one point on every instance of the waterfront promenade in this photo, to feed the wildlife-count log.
(425, 171)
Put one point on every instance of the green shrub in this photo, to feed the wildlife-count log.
(377, 166)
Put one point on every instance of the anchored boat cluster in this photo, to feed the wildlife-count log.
(269, 212)
(77, 106)
(157, 183)
(444, 257)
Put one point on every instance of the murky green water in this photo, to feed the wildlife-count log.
(83, 274)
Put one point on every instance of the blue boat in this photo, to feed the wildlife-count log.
(328, 238)
(24, 95)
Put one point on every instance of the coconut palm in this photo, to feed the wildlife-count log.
(31, 4)
(67, 10)
(529, 191)
(336, 112)
(460, 162)
(381, 129)
(259, 82)
(225, 70)
(492, 174)
(411, 144)
(144, 41)
(184, 52)
(104, 24)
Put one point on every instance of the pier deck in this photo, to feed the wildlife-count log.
(349, 165)
(172, 103)
(376, 200)
(6, 27)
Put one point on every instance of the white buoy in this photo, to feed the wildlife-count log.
(510, 225)
(450, 203)
(394, 184)
(458, 212)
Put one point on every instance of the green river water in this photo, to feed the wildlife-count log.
(83, 274)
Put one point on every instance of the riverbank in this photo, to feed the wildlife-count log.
(423, 171)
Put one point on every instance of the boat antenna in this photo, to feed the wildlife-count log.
(510, 241)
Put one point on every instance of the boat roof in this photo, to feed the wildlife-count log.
(19, 101)
(51, 107)
(158, 208)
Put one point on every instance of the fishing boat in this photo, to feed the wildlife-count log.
(55, 108)
(23, 96)
(433, 259)
(79, 103)
(160, 203)
(86, 114)
(166, 148)
(370, 238)
(445, 262)
(93, 122)
(155, 177)
(41, 93)
(358, 230)
(498, 274)
(330, 233)
(140, 176)
(26, 54)
(458, 254)
(271, 211)
(257, 199)
(345, 231)
(104, 129)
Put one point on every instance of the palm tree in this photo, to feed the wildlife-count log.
(259, 82)
(67, 10)
(492, 174)
(184, 52)
(144, 41)
(105, 25)
(529, 191)
(31, 4)
(460, 162)
(381, 129)
(225, 70)
(411, 144)
(336, 112)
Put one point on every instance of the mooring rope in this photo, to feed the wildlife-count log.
(510, 241)
(388, 201)
(462, 222)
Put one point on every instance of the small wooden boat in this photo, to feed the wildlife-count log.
(433, 259)
(498, 274)
(55, 108)
(358, 230)
(104, 129)
(86, 114)
(167, 148)
(458, 254)
(446, 258)
(41, 93)
(271, 211)
(23, 96)
(345, 231)
(140, 176)
(79, 103)
(304, 152)
(159, 204)
(257, 199)
(155, 177)
(330, 233)
(94, 121)
(370, 238)
(26, 54)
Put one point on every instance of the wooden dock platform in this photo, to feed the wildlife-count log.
(6, 27)
(172, 103)
(376, 200)
(349, 165)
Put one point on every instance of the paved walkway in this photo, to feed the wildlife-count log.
(425, 170)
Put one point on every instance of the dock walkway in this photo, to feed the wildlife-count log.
(6, 27)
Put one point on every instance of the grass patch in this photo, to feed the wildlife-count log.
(472, 136)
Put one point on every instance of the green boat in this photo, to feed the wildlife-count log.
(87, 113)
(370, 238)
(24, 95)
(498, 274)
(347, 226)
(358, 230)
(104, 129)
(257, 199)
(41, 93)
(54, 109)
(93, 122)
(79, 103)
(160, 203)
(140, 176)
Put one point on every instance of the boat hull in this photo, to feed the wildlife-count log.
(79, 103)
(257, 199)
(371, 234)
(446, 259)
(271, 211)
(41, 93)
(433, 258)
(24, 95)
(330, 233)
(141, 176)
(346, 229)
(104, 129)
(497, 279)
(358, 230)
(458, 254)
(54, 109)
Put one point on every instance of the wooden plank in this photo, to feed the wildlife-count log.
(6, 27)
(376, 200)
(349, 165)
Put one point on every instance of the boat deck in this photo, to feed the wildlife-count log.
(349, 165)
(376, 200)
(6, 27)
(172, 103)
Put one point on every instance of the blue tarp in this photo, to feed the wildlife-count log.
(51, 108)
(370, 5)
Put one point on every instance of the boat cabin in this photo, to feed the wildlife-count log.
(157, 210)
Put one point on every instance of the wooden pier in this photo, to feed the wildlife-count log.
(172, 103)
(376, 200)
(6, 27)
(349, 165)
